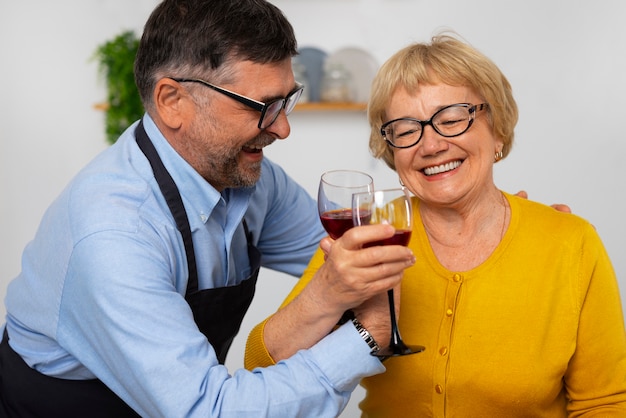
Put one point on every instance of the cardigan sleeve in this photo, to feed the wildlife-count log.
(256, 354)
(596, 376)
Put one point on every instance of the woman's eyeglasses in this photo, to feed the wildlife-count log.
(450, 121)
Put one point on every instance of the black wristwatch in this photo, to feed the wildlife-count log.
(365, 334)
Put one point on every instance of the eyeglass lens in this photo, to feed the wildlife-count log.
(273, 109)
(450, 121)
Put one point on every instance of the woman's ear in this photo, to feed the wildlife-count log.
(171, 102)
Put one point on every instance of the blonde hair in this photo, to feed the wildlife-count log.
(447, 60)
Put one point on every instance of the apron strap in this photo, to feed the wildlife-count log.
(174, 202)
(218, 312)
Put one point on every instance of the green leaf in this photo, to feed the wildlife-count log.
(116, 59)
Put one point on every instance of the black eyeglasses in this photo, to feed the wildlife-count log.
(450, 121)
(269, 111)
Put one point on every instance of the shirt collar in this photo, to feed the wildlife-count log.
(200, 198)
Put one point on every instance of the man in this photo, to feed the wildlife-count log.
(142, 270)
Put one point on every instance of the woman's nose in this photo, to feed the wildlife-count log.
(432, 142)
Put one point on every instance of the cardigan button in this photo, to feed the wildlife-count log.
(438, 389)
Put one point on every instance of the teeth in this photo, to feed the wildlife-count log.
(442, 168)
(260, 145)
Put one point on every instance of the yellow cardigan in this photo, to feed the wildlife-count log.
(537, 330)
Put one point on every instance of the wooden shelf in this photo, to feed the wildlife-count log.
(330, 107)
(301, 107)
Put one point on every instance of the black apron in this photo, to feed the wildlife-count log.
(218, 313)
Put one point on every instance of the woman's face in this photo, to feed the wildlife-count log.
(459, 168)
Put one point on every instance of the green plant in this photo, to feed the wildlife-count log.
(116, 58)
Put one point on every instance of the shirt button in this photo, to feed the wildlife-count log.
(457, 278)
(449, 312)
(443, 351)
(438, 389)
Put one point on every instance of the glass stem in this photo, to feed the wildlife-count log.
(396, 340)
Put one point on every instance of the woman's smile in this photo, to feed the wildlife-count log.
(442, 168)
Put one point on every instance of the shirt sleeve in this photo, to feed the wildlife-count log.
(290, 229)
(123, 319)
(256, 354)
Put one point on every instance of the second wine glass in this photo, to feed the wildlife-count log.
(334, 198)
(393, 207)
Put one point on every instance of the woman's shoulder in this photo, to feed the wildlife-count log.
(541, 215)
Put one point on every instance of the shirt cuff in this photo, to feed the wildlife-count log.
(344, 357)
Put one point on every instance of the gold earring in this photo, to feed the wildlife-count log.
(499, 155)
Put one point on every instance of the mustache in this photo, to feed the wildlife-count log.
(261, 140)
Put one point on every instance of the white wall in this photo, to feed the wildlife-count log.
(565, 59)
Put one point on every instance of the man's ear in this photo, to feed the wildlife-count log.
(172, 102)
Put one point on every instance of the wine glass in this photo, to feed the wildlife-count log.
(393, 207)
(334, 198)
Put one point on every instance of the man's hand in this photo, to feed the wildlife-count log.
(351, 277)
(353, 274)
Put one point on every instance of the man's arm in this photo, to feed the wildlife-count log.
(142, 342)
(351, 277)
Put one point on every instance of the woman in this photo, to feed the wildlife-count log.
(517, 304)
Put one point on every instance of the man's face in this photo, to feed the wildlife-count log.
(223, 138)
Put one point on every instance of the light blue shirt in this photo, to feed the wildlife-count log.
(101, 292)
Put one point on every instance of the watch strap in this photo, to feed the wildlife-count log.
(365, 334)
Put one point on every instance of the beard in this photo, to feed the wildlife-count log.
(220, 158)
(240, 175)
(226, 169)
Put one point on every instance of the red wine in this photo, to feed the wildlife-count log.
(337, 222)
(401, 237)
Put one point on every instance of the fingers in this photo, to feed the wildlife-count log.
(325, 245)
(522, 194)
(562, 207)
(352, 274)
